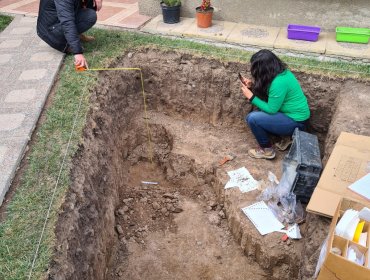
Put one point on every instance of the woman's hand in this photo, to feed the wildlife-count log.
(80, 61)
(247, 82)
(246, 91)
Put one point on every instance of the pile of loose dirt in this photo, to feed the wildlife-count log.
(115, 227)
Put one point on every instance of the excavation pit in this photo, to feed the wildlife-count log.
(114, 226)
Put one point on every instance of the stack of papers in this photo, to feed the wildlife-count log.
(243, 179)
(262, 218)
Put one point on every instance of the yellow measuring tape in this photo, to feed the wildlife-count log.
(150, 151)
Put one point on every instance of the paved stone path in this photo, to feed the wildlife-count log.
(28, 67)
(120, 13)
(259, 36)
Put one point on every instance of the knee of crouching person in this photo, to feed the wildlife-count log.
(92, 17)
(250, 118)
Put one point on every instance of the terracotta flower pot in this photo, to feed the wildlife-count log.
(204, 18)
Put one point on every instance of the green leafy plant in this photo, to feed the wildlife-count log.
(172, 3)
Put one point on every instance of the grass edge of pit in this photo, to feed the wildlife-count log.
(20, 231)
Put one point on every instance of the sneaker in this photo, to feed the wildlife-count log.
(266, 153)
(86, 38)
(284, 143)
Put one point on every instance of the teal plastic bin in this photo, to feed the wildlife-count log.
(352, 35)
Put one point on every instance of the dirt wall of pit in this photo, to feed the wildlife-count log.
(190, 88)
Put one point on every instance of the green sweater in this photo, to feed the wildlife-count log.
(285, 95)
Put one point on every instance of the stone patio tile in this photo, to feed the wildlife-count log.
(24, 97)
(253, 35)
(26, 20)
(10, 122)
(282, 42)
(134, 21)
(5, 70)
(219, 30)
(11, 153)
(16, 123)
(346, 49)
(4, 3)
(20, 96)
(130, 2)
(3, 150)
(10, 44)
(108, 11)
(17, 45)
(33, 74)
(156, 25)
(5, 58)
(42, 56)
(32, 8)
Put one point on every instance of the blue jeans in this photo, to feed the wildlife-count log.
(263, 124)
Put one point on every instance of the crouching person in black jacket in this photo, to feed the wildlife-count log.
(61, 23)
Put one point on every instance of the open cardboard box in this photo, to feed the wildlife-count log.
(348, 162)
(338, 267)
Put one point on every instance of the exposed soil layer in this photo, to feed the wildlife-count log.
(187, 227)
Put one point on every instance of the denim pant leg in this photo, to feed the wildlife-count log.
(86, 18)
(262, 124)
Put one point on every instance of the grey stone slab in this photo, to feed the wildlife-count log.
(36, 72)
(33, 74)
(25, 98)
(21, 96)
(28, 67)
(20, 31)
(5, 58)
(20, 21)
(42, 56)
(11, 154)
(15, 45)
(15, 123)
(11, 121)
(26, 20)
(3, 150)
(5, 71)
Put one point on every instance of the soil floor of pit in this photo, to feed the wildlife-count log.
(192, 244)
(157, 242)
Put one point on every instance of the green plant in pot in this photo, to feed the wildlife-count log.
(171, 10)
(204, 14)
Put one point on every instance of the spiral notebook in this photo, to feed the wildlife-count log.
(262, 218)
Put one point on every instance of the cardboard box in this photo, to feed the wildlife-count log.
(338, 267)
(347, 163)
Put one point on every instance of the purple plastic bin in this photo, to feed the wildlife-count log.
(302, 32)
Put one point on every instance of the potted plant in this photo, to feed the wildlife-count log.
(171, 10)
(204, 14)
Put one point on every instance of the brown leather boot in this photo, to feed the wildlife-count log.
(85, 38)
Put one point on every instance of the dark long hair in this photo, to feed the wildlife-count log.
(265, 66)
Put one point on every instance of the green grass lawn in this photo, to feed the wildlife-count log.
(4, 21)
(26, 213)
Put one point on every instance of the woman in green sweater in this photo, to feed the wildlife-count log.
(280, 99)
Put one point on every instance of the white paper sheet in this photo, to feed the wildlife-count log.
(362, 186)
(293, 232)
(262, 218)
(243, 179)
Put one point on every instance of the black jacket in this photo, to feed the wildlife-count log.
(56, 24)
